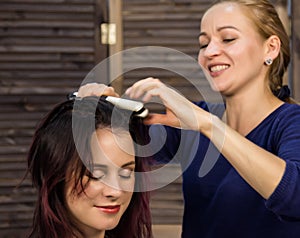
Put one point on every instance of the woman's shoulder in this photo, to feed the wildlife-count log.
(288, 109)
(288, 116)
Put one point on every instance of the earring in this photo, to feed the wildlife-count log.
(268, 61)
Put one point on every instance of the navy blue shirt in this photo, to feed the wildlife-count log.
(218, 202)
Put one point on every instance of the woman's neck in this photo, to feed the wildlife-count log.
(245, 113)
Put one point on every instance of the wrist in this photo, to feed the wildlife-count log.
(209, 124)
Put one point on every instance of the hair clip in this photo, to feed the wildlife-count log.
(72, 96)
(136, 107)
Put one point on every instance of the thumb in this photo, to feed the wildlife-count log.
(162, 119)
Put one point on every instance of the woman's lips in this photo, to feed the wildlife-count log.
(109, 209)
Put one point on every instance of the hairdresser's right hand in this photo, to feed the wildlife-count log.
(96, 89)
(180, 112)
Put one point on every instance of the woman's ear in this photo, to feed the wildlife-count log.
(272, 47)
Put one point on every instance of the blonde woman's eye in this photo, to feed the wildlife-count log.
(126, 173)
(228, 40)
(202, 46)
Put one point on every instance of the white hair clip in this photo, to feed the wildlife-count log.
(136, 107)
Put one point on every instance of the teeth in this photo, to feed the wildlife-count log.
(218, 68)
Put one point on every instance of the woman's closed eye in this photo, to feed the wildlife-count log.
(228, 40)
(126, 173)
(100, 174)
(203, 43)
(96, 174)
(203, 46)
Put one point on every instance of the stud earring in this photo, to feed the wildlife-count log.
(268, 61)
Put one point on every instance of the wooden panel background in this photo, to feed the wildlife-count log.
(46, 49)
(173, 24)
(296, 49)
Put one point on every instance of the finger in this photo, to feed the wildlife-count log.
(91, 89)
(147, 88)
(110, 91)
(152, 93)
(154, 118)
(96, 89)
(162, 119)
(135, 90)
(142, 86)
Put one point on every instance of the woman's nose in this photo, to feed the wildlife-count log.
(116, 186)
(212, 49)
(112, 188)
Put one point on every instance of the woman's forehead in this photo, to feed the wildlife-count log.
(112, 147)
(221, 12)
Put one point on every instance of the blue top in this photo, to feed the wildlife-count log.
(221, 203)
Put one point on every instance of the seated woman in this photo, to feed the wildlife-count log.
(83, 160)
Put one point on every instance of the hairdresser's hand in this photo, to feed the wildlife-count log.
(180, 112)
(96, 89)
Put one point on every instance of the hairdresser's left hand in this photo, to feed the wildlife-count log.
(96, 89)
(180, 112)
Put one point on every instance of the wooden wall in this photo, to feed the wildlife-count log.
(296, 49)
(172, 24)
(46, 49)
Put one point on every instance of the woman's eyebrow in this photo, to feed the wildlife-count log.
(227, 27)
(100, 166)
(220, 29)
(103, 166)
(128, 164)
(202, 34)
